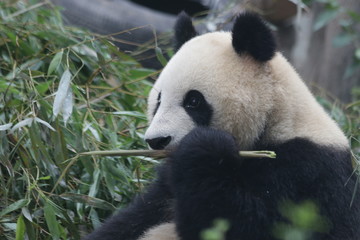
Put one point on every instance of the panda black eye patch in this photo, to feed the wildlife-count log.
(158, 101)
(197, 108)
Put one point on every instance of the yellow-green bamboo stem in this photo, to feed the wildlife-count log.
(164, 153)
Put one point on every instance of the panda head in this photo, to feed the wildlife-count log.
(232, 81)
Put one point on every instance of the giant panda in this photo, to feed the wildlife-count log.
(228, 91)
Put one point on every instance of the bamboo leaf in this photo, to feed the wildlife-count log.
(5, 127)
(131, 114)
(26, 213)
(160, 56)
(55, 62)
(51, 221)
(44, 123)
(94, 218)
(95, 185)
(15, 206)
(93, 131)
(25, 122)
(62, 92)
(43, 87)
(20, 228)
(90, 201)
(141, 73)
(67, 107)
(357, 54)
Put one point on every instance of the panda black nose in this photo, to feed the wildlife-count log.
(159, 142)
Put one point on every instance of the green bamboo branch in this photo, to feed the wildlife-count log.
(164, 153)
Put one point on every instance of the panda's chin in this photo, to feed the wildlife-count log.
(171, 146)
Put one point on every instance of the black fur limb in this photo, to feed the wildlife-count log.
(147, 210)
(251, 35)
(210, 181)
(184, 30)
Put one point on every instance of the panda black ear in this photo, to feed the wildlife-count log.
(184, 30)
(251, 35)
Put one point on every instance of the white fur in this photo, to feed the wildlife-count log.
(297, 113)
(249, 98)
(164, 231)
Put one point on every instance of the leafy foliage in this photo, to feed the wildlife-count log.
(64, 91)
(217, 231)
(304, 219)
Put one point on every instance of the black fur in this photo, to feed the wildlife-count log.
(252, 36)
(200, 114)
(157, 104)
(184, 30)
(174, 7)
(211, 181)
(206, 179)
(147, 210)
(159, 142)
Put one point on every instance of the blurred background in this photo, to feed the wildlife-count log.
(319, 37)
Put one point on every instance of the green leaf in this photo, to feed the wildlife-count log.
(140, 73)
(94, 218)
(38, 120)
(25, 212)
(43, 87)
(62, 92)
(160, 56)
(55, 62)
(357, 54)
(33, 73)
(95, 185)
(5, 127)
(89, 201)
(45, 178)
(15, 206)
(51, 221)
(40, 165)
(217, 231)
(101, 58)
(131, 114)
(354, 15)
(20, 228)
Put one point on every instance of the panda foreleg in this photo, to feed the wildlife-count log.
(209, 181)
(146, 211)
(205, 181)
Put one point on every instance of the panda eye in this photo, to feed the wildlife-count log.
(193, 99)
(193, 102)
(197, 108)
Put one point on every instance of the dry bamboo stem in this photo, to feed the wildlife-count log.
(164, 153)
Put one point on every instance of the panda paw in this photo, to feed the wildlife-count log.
(205, 152)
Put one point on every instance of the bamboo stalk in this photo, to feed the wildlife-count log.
(164, 153)
(128, 153)
(257, 154)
